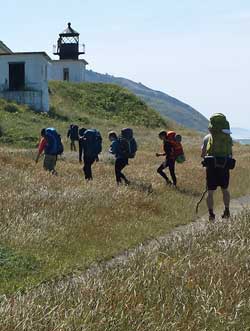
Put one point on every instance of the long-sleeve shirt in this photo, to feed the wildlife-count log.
(42, 145)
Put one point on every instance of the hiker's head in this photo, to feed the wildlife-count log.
(112, 135)
(163, 135)
(81, 132)
(43, 132)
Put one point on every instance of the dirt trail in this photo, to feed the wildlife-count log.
(200, 225)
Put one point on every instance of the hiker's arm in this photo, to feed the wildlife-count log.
(167, 150)
(41, 148)
(113, 148)
(204, 147)
(80, 150)
(203, 150)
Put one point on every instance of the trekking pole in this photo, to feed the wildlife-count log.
(199, 202)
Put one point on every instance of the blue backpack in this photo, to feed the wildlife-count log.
(54, 143)
(92, 142)
(127, 143)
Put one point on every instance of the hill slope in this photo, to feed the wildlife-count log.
(87, 104)
(166, 105)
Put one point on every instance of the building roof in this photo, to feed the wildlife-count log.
(44, 54)
(4, 49)
(69, 32)
(69, 60)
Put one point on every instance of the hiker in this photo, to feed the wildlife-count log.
(120, 160)
(90, 146)
(123, 148)
(73, 135)
(52, 146)
(169, 161)
(217, 154)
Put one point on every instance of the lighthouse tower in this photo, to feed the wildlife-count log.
(69, 67)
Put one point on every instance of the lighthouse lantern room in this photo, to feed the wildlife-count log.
(68, 45)
(69, 67)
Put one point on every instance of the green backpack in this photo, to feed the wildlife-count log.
(220, 143)
(217, 123)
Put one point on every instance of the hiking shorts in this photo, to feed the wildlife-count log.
(49, 162)
(217, 177)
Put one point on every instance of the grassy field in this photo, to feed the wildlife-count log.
(194, 282)
(52, 227)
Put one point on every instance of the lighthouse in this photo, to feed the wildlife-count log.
(70, 67)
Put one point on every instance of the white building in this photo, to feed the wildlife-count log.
(69, 67)
(24, 78)
(68, 70)
(4, 49)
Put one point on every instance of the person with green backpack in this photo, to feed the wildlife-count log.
(218, 160)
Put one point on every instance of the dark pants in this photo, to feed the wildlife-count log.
(72, 145)
(88, 161)
(119, 165)
(170, 164)
(49, 163)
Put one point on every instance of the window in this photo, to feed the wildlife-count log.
(66, 74)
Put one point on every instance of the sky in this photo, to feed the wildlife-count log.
(197, 51)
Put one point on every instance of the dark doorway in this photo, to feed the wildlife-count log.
(66, 74)
(16, 76)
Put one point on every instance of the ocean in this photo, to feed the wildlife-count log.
(243, 141)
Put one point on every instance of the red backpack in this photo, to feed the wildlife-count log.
(175, 141)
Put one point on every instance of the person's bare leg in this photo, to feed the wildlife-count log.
(226, 200)
(210, 204)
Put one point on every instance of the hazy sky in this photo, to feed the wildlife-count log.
(195, 50)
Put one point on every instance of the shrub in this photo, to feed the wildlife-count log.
(11, 108)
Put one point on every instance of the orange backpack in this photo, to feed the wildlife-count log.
(175, 141)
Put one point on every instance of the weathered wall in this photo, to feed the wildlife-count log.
(76, 70)
(36, 80)
(31, 98)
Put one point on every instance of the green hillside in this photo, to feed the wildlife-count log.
(87, 104)
(169, 107)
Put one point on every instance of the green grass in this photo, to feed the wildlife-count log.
(86, 104)
(16, 268)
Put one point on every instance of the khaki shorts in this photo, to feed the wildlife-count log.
(49, 162)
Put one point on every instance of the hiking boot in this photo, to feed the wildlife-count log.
(226, 214)
(168, 182)
(211, 216)
(127, 182)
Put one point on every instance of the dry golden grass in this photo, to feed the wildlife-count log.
(63, 224)
(198, 281)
